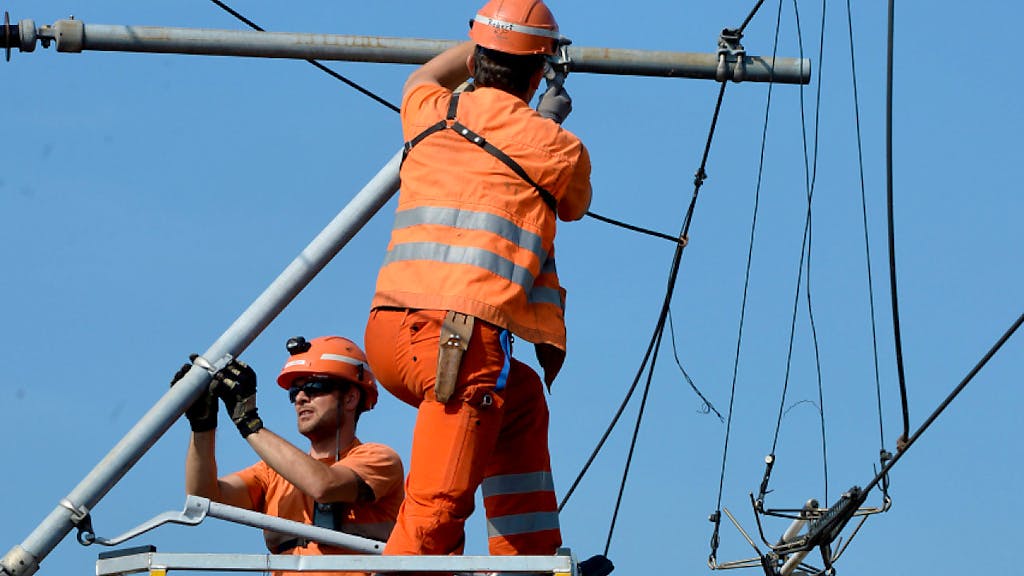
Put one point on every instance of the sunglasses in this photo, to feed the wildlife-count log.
(313, 388)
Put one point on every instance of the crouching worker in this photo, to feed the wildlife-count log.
(340, 483)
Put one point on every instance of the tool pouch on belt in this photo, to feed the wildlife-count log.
(456, 331)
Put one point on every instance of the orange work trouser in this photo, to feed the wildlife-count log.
(497, 438)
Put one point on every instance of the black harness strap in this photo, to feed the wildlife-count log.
(480, 141)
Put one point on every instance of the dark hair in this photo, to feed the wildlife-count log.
(508, 72)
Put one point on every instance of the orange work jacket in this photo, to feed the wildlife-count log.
(471, 235)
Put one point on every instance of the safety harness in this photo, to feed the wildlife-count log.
(450, 122)
(457, 328)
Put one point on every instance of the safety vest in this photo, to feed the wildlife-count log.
(488, 253)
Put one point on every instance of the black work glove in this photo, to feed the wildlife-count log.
(555, 104)
(202, 414)
(596, 566)
(235, 384)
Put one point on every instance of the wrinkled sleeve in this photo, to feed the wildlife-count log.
(255, 479)
(575, 202)
(419, 108)
(378, 465)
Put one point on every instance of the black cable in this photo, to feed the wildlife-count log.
(647, 231)
(945, 403)
(699, 178)
(716, 516)
(632, 443)
(803, 244)
(867, 242)
(750, 16)
(325, 69)
(707, 407)
(810, 236)
(897, 340)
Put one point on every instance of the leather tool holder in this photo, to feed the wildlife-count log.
(456, 331)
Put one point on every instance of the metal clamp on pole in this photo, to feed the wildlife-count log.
(730, 51)
(560, 60)
(81, 520)
(213, 367)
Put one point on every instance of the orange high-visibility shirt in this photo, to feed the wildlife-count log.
(472, 236)
(376, 464)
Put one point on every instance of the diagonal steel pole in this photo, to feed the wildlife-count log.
(77, 36)
(24, 559)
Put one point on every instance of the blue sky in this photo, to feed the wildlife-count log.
(146, 200)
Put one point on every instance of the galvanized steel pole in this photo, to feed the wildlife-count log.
(76, 36)
(24, 559)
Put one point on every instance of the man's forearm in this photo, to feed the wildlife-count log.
(322, 482)
(201, 465)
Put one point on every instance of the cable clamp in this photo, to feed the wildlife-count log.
(560, 60)
(78, 513)
(215, 366)
(81, 520)
(730, 51)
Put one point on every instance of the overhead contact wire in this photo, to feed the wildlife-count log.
(325, 69)
(948, 400)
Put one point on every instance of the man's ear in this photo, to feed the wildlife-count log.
(471, 63)
(350, 400)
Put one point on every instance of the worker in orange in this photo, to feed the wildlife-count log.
(340, 483)
(470, 264)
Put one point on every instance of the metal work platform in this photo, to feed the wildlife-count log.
(158, 563)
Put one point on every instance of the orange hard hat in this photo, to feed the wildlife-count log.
(329, 357)
(515, 27)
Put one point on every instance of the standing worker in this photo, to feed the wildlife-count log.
(341, 483)
(471, 263)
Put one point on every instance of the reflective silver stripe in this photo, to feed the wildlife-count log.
(545, 295)
(511, 27)
(471, 220)
(345, 359)
(462, 255)
(522, 523)
(518, 484)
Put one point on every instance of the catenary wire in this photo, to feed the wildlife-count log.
(325, 69)
(716, 516)
(699, 178)
(660, 332)
(632, 443)
(945, 403)
(897, 339)
(867, 242)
